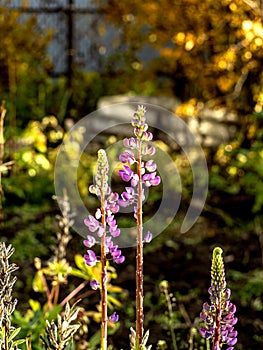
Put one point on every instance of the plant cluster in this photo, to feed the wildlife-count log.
(62, 322)
(221, 312)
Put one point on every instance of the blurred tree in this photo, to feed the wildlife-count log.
(208, 53)
(207, 50)
(24, 63)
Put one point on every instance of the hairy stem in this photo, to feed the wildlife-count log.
(217, 336)
(139, 256)
(104, 311)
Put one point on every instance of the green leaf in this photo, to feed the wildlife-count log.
(95, 339)
(14, 334)
(84, 271)
(18, 342)
(113, 300)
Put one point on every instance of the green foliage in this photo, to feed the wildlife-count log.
(249, 288)
(40, 221)
(88, 273)
(237, 168)
(12, 343)
(33, 322)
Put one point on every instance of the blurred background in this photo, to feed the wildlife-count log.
(202, 60)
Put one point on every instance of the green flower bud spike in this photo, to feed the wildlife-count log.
(218, 317)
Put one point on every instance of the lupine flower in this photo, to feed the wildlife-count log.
(94, 284)
(219, 316)
(90, 258)
(92, 223)
(151, 179)
(126, 174)
(116, 254)
(90, 241)
(128, 197)
(127, 157)
(148, 237)
(114, 317)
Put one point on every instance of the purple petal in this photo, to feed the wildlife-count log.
(135, 180)
(115, 233)
(90, 258)
(148, 237)
(91, 223)
(90, 241)
(156, 181)
(147, 136)
(150, 165)
(111, 221)
(124, 176)
(127, 157)
(119, 260)
(94, 284)
(116, 253)
(146, 150)
(232, 342)
(147, 177)
(114, 317)
(126, 142)
(123, 203)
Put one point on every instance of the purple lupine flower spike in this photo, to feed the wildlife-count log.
(148, 170)
(101, 188)
(104, 225)
(219, 316)
(144, 176)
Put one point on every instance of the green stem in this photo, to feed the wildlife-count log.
(139, 256)
(2, 117)
(170, 311)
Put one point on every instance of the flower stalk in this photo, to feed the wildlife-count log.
(104, 304)
(144, 175)
(139, 257)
